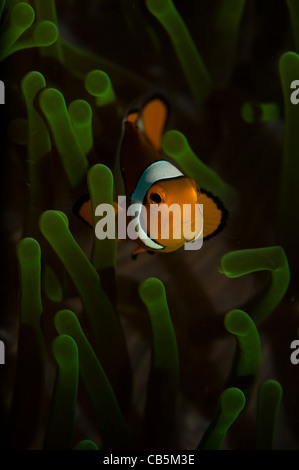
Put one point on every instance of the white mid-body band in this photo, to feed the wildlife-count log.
(157, 171)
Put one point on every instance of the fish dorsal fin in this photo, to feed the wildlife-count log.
(153, 119)
(214, 213)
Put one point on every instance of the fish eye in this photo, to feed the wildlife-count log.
(156, 198)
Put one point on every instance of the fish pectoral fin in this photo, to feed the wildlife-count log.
(83, 209)
(137, 250)
(214, 214)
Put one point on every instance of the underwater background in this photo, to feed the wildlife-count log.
(185, 350)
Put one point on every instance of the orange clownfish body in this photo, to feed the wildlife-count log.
(157, 190)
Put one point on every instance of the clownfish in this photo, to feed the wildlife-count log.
(149, 179)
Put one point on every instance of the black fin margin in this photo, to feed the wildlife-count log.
(222, 208)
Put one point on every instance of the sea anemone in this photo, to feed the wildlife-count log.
(187, 350)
